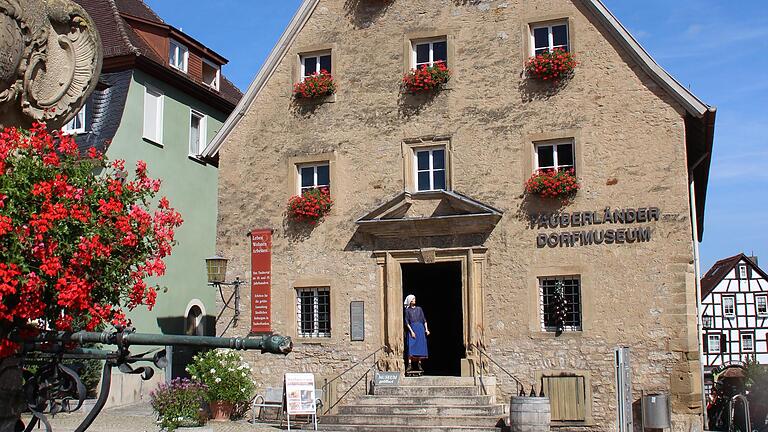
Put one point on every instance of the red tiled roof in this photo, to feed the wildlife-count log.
(119, 39)
(139, 9)
(721, 269)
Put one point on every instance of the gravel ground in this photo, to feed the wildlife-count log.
(139, 418)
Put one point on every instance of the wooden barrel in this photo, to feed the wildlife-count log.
(529, 414)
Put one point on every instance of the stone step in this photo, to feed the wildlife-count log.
(411, 420)
(447, 381)
(433, 410)
(424, 400)
(398, 428)
(434, 390)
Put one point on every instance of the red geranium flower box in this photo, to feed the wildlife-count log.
(554, 65)
(314, 86)
(552, 183)
(311, 206)
(426, 78)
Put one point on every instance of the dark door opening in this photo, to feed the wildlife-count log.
(437, 288)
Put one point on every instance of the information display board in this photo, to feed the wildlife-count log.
(300, 394)
(261, 281)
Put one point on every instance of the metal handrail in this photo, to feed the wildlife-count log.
(365, 375)
(518, 383)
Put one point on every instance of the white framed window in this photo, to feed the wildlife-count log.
(197, 132)
(430, 169)
(554, 155)
(428, 52)
(706, 321)
(178, 56)
(742, 271)
(312, 64)
(761, 305)
(313, 312)
(729, 306)
(713, 343)
(571, 298)
(548, 37)
(211, 74)
(747, 342)
(314, 176)
(153, 114)
(77, 124)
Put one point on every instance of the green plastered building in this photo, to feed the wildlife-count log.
(161, 98)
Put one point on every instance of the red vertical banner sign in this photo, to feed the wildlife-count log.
(261, 281)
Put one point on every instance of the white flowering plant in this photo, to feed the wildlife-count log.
(225, 374)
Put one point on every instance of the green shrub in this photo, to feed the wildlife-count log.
(179, 404)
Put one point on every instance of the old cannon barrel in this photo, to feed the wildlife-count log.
(267, 344)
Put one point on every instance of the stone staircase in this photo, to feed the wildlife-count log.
(424, 404)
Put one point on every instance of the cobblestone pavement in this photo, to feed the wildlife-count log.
(139, 418)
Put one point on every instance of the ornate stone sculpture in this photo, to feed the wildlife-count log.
(50, 60)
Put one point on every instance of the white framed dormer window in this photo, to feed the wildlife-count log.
(178, 56)
(713, 343)
(747, 342)
(211, 74)
(427, 52)
(729, 306)
(761, 305)
(197, 132)
(312, 64)
(554, 155)
(742, 271)
(77, 124)
(314, 176)
(153, 114)
(548, 37)
(430, 169)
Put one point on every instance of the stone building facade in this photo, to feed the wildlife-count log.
(481, 255)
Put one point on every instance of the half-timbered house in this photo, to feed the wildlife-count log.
(734, 313)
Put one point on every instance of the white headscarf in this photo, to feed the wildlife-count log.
(408, 300)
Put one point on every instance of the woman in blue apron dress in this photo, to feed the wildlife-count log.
(416, 334)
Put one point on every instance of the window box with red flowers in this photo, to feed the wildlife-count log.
(311, 206)
(561, 184)
(426, 78)
(315, 86)
(551, 66)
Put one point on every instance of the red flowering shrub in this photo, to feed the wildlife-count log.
(552, 65)
(76, 247)
(552, 183)
(311, 206)
(314, 86)
(426, 78)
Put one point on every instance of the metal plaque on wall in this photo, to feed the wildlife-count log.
(357, 320)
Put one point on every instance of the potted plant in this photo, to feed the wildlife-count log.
(426, 78)
(227, 379)
(315, 86)
(311, 206)
(179, 404)
(552, 66)
(551, 183)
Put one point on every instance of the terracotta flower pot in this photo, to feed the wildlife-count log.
(221, 410)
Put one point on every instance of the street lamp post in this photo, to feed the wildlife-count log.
(217, 274)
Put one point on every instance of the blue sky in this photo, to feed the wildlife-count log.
(717, 48)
